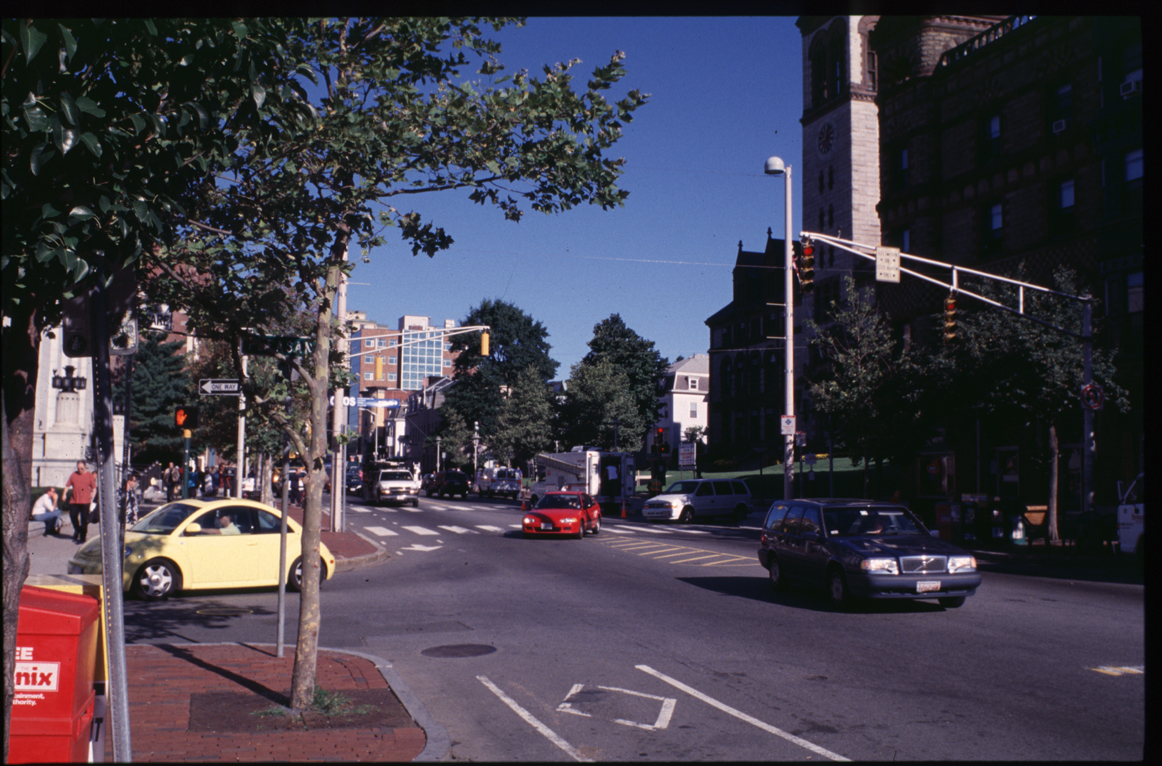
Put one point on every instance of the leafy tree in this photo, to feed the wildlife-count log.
(859, 386)
(107, 125)
(599, 394)
(524, 427)
(455, 442)
(160, 386)
(643, 366)
(394, 117)
(516, 343)
(1027, 372)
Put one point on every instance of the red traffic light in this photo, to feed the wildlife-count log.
(808, 249)
(186, 418)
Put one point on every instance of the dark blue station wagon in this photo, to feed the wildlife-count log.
(863, 549)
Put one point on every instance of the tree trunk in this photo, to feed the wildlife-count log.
(21, 348)
(307, 649)
(1053, 455)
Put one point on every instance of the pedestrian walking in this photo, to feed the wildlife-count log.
(45, 509)
(295, 495)
(128, 505)
(170, 478)
(80, 489)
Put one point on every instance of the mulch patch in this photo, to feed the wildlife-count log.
(250, 712)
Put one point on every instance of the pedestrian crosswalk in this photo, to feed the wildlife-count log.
(398, 529)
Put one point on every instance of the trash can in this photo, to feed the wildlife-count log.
(56, 656)
(944, 524)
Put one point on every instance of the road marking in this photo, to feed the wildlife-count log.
(743, 716)
(381, 531)
(618, 531)
(528, 718)
(421, 531)
(696, 558)
(664, 714)
(1120, 670)
(421, 548)
(656, 531)
(489, 528)
(457, 530)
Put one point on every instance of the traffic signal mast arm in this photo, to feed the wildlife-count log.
(429, 335)
(869, 252)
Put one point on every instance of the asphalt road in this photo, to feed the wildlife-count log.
(661, 642)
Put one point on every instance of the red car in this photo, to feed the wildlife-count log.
(563, 513)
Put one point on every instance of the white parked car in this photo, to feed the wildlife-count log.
(396, 486)
(689, 499)
(500, 480)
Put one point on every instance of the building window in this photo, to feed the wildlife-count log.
(369, 360)
(990, 144)
(821, 220)
(393, 343)
(693, 384)
(820, 181)
(1062, 209)
(391, 360)
(391, 376)
(447, 362)
(369, 343)
(380, 342)
(693, 409)
(1133, 169)
(830, 177)
(367, 376)
(992, 229)
(831, 215)
(872, 70)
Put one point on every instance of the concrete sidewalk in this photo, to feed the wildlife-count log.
(209, 702)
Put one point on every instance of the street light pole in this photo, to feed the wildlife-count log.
(774, 167)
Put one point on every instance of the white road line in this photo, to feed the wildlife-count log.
(617, 531)
(421, 530)
(489, 528)
(548, 733)
(655, 531)
(381, 531)
(743, 716)
(457, 530)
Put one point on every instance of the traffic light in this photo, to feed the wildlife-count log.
(186, 418)
(379, 368)
(806, 253)
(949, 319)
(484, 343)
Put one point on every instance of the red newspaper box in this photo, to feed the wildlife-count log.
(56, 655)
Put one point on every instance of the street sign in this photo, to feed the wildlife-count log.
(220, 387)
(888, 264)
(1092, 396)
(787, 425)
(686, 455)
(367, 401)
(269, 345)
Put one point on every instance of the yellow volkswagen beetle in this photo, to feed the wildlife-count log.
(192, 544)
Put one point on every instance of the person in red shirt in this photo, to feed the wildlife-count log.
(80, 489)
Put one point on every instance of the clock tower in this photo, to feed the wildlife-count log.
(840, 170)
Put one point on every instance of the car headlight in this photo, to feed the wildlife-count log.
(961, 564)
(569, 520)
(530, 520)
(884, 566)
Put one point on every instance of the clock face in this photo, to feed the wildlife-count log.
(826, 138)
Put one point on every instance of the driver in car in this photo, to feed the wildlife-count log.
(226, 525)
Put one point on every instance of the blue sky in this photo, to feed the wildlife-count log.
(725, 94)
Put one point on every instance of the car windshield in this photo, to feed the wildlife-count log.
(559, 501)
(165, 519)
(682, 488)
(870, 522)
(395, 476)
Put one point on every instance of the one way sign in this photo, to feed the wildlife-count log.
(220, 387)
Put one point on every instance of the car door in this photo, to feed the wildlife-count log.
(704, 499)
(216, 559)
(789, 548)
(723, 498)
(812, 550)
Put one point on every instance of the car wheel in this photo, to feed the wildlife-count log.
(157, 579)
(295, 582)
(416, 503)
(741, 512)
(581, 528)
(951, 602)
(775, 573)
(837, 589)
(687, 515)
(596, 527)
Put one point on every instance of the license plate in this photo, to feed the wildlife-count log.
(546, 526)
(927, 586)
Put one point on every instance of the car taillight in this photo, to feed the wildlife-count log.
(763, 538)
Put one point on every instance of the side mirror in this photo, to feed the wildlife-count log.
(811, 536)
(194, 529)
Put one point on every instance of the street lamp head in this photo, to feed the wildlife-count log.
(774, 167)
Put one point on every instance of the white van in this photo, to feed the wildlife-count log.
(499, 480)
(688, 499)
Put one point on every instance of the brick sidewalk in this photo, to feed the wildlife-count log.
(167, 679)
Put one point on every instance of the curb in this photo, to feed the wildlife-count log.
(439, 743)
(366, 560)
